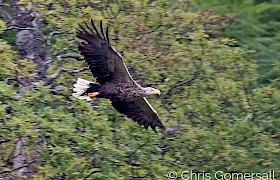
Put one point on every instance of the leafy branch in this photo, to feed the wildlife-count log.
(18, 168)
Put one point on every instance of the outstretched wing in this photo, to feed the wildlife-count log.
(105, 63)
(140, 111)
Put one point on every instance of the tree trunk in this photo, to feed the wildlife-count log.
(30, 43)
(31, 46)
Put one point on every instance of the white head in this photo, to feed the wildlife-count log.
(150, 91)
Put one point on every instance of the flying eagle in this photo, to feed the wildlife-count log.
(113, 79)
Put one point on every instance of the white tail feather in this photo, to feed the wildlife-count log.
(80, 87)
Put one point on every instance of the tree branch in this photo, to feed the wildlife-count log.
(93, 172)
(48, 61)
(5, 141)
(18, 168)
(9, 79)
(166, 101)
(182, 83)
(49, 37)
(74, 71)
(19, 159)
(5, 5)
(64, 49)
(19, 28)
(60, 69)
(6, 16)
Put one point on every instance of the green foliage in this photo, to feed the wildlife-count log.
(209, 87)
(7, 63)
(256, 25)
(2, 26)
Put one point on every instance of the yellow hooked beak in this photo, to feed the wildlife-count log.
(156, 91)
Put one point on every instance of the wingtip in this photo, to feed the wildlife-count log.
(88, 27)
(101, 29)
(82, 28)
(107, 34)
(154, 129)
(161, 126)
(94, 27)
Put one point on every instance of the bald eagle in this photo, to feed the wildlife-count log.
(113, 79)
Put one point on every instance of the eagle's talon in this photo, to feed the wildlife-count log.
(93, 95)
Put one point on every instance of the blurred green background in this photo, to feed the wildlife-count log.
(215, 62)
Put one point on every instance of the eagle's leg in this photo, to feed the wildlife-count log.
(93, 95)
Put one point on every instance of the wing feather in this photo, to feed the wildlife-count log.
(107, 34)
(92, 23)
(105, 63)
(139, 111)
(101, 29)
(88, 27)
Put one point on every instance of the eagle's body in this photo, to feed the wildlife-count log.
(113, 78)
(122, 91)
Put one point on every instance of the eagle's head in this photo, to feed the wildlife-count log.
(151, 91)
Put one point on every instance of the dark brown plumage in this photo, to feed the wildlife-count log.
(113, 78)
